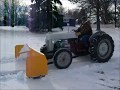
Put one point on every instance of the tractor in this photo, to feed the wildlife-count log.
(60, 48)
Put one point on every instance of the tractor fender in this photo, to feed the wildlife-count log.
(95, 35)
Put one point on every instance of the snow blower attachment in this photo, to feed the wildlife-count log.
(36, 63)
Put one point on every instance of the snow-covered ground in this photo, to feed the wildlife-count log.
(82, 74)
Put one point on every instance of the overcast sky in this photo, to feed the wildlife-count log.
(67, 4)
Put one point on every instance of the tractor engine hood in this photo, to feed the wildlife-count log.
(60, 35)
(51, 38)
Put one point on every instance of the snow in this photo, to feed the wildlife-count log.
(82, 73)
(25, 49)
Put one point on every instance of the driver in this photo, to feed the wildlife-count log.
(84, 31)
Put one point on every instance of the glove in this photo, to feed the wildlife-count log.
(78, 33)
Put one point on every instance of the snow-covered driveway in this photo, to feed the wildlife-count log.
(82, 74)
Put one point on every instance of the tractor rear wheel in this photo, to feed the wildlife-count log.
(62, 58)
(101, 48)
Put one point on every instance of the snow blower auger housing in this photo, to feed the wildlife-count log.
(33, 62)
(62, 47)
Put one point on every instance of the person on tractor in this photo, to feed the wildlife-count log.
(84, 31)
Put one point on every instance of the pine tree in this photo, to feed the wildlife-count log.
(12, 14)
(43, 14)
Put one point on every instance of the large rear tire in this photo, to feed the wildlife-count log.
(101, 48)
(62, 58)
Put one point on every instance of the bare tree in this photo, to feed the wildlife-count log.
(105, 5)
(1, 12)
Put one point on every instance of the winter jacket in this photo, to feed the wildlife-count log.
(85, 28)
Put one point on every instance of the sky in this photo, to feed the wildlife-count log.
(66, 3)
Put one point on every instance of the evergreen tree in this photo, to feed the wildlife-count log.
(12, 14)
(42, 14)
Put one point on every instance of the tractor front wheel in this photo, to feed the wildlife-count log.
(62, 58)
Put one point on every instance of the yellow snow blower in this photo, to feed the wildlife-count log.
(36, 62)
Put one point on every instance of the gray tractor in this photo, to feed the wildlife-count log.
(60, 48)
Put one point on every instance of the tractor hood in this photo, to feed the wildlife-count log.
(60, 35)
(52, 38)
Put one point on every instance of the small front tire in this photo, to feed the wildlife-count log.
(62, 58)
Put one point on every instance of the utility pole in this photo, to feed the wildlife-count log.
(98, 16)
(12, 14)
(115, 1)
